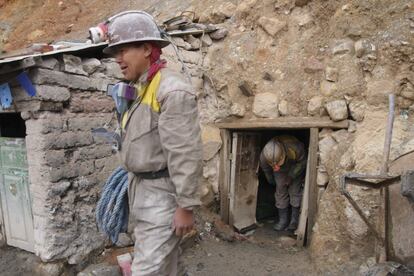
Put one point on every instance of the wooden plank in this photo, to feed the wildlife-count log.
(224, 175)
(313, 188)
(245, 183)
(303, 219)
(233, 173)
(189, 32)
(283, 123)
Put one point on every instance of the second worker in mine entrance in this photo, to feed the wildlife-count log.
(283, 161)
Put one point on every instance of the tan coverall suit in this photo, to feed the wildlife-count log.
(289, 179)
(153, 141)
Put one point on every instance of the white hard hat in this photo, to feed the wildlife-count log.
(274, 152)
(133, 26)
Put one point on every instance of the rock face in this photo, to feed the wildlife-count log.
(266, 105)
(211, 139)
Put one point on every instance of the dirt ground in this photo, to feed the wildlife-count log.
(17, 262)
(264, 253)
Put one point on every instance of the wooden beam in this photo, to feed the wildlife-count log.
(303, 219)
(283, 123)
(224, 175)
(313, 187)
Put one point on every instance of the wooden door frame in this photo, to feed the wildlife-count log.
(225, 174)
(27, 245)
(2, 230)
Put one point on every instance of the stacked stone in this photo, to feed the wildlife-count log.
(67, 165)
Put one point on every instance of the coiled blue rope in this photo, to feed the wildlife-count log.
(112, 209)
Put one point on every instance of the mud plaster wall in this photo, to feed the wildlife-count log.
(306, 58)
(67, 166)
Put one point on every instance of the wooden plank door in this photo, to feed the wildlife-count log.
(243, 179)
(224, 174)
(303, 219)
(15, 195)
(313, 187)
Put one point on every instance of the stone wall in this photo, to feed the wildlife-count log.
(67, 165)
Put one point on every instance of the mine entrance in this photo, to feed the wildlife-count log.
(265, 206)
(16, 211)
(251, 198)
(245, 196)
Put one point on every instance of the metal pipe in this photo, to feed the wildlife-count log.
(383, 256)
(388, 134)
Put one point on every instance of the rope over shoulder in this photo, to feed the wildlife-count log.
(112, 208)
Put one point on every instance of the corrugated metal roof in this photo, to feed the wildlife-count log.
(73, 48)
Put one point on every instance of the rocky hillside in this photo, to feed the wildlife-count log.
(297, 58)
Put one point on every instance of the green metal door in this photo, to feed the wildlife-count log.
(14, 193)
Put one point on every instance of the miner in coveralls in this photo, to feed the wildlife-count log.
(161, 145)
(283, 161)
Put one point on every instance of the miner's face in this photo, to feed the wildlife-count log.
(133, 59)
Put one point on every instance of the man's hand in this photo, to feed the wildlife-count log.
(183, 221)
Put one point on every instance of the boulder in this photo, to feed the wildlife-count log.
(328, 88)
(73, 64)
(245, 7)
(91, 65)
(357, 110)
(344, 46)
(331, 74)
(265, 105)
(302, 17)
(315, 105)
(206, 40)
(113, 70)
(211, 139)
(337, 110)
(363, 47)
(272, 26)
(194, 42)
(219, 34)
(352, 126)
(124, 240)
(181, 43)
(284, 108)
(350, 80)
(222, 12)
(326, 146)
(49, 63)
(50, 269)
(313, 65)
(237, 110)
(322, 178)
(192, 57)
